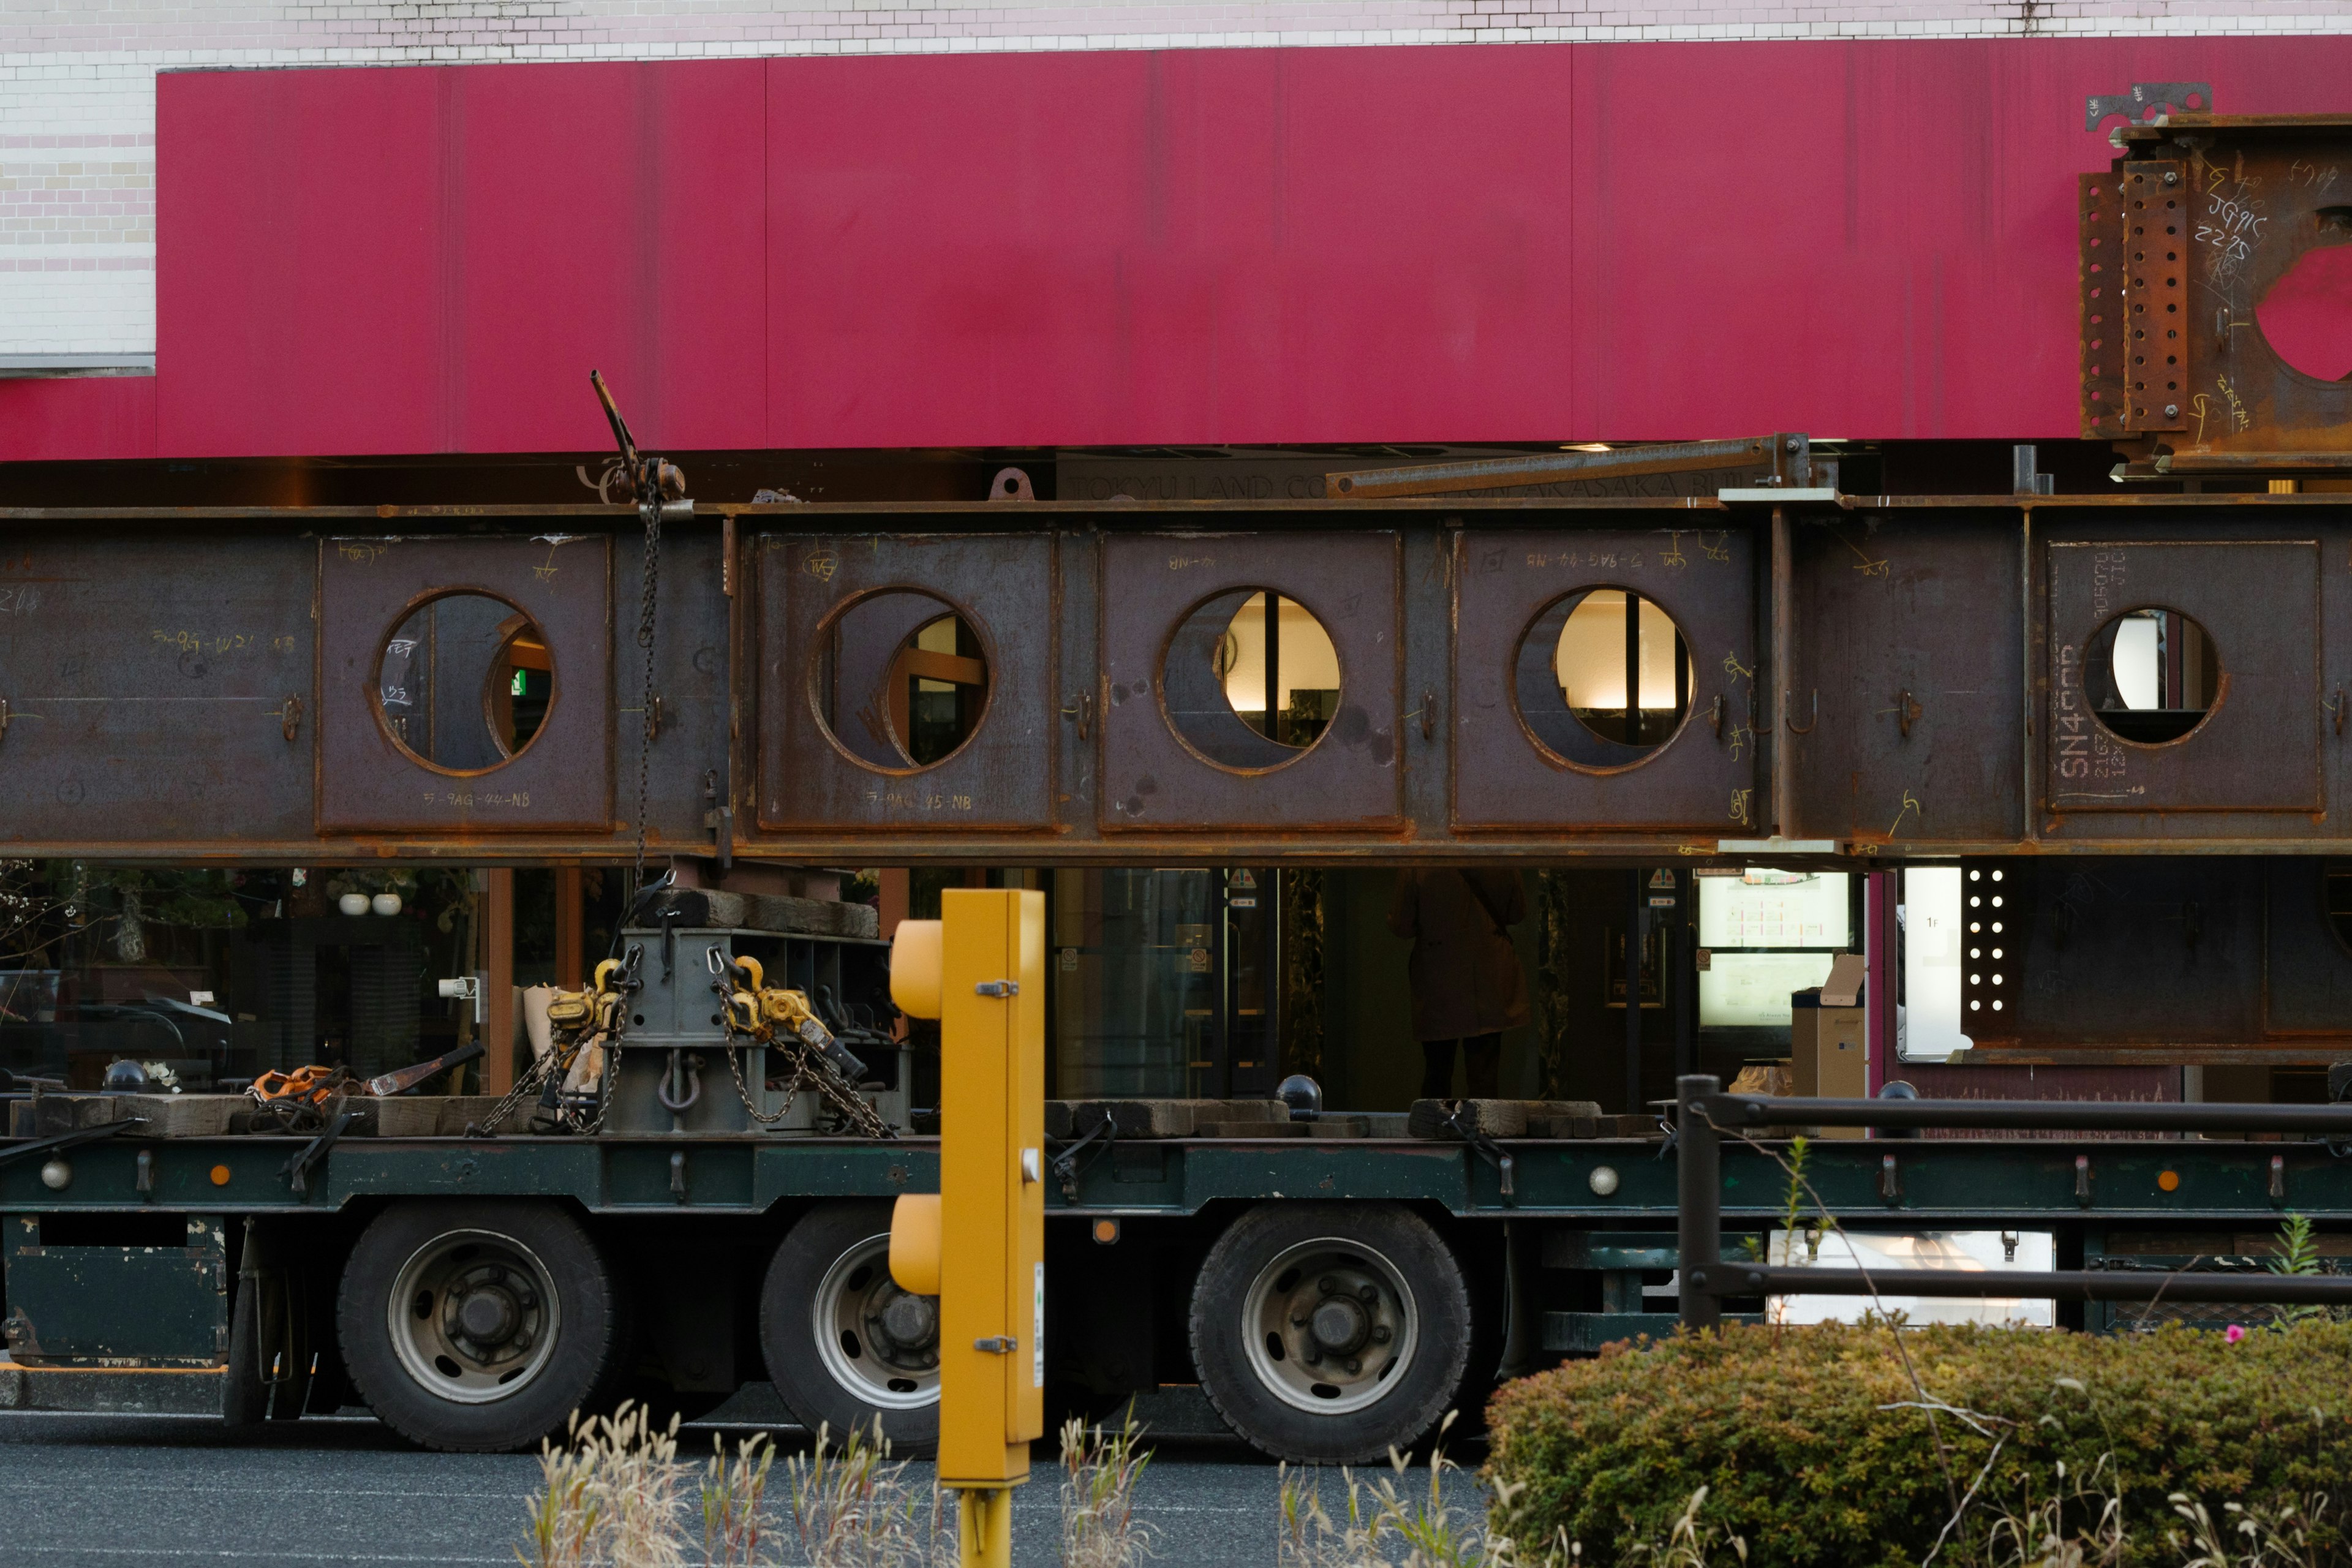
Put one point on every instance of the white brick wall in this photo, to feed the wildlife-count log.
(78, 77)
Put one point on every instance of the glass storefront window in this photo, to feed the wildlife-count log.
(1135, 954)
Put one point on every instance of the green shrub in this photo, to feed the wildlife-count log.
(1814, 1446)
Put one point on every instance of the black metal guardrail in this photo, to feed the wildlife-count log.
(1704, 1115)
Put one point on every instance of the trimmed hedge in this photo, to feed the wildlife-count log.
(1800, 1436)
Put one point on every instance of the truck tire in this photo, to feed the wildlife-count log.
(845, 1346)
(1327, 1332)
(479, 1327)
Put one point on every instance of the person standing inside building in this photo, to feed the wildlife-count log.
(1467, 984)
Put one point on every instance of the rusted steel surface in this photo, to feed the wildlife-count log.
(155, 665)
(1156, 777)
(1909, 641)
(855, 598)
(1520, 761)
(2155, 958)
(369, 585)
(1786, 459)
(2258, 747)
(147, 678)
(2183, 241)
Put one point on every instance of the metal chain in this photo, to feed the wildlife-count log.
(529, 1082)
(852, 1107)
(765, 1119)
(649, 510)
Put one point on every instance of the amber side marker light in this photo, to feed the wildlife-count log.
(220, 1175)
(2169, 1180)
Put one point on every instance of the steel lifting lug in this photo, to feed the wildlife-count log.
(1429, 715)
(2278, 1178)
(1906, 713)
(1082, 709)
(1715, 715)
(677, 1174)
(2083, 1180)
(2334, 707)
(4, 718)
(1890, 1180)
(289, 717)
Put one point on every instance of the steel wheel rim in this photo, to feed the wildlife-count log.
(851, 1320)
(1290, 1286)
(474, 1317)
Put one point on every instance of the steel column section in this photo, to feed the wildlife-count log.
(158, 687)
(1521, 758)
(562, 778)
(128, 748)
(1912, 637)
(1155, 778)
(2188, 243)
(837, 610)
(2258, 748)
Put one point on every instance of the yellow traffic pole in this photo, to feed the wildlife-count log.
(985, 1527)
(979, 1244)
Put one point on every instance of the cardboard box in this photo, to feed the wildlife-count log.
(1828, 1039)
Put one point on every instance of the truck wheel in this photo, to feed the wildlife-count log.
(479, 1327)
(845, 1346)
(1328, 1333)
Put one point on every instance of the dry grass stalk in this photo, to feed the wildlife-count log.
(1384, 1528)
(1100, 1473)
(1689, 1544)
(565, 1516)
(853, 1508)
(734, 1521)
(611, 1496)
(2278, 1537)
(2035, 1533)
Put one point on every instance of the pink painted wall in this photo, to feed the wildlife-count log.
(1537, 242)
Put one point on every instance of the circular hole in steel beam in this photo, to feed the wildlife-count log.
(2152, 674)
(464, 683)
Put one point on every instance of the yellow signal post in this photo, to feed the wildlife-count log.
(979, 1244)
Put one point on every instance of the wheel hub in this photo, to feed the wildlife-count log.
(880, 1343)
(904, 1322)
(1339, 1325)
(488, 1316)
(473, 1316)
(1329, 1324)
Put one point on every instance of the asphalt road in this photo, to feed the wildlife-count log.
(92, 1491)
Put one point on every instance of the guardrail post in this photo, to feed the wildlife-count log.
(1698, 1170)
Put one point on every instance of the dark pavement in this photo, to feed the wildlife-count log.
(84, 1492)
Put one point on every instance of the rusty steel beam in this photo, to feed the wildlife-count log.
(2185, 239)
(202, 685)
(1785, 456)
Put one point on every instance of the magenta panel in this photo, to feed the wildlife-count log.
(100, 416)
(1863, 239)
(1222, 246)
(1504, 243)
(431, 259)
